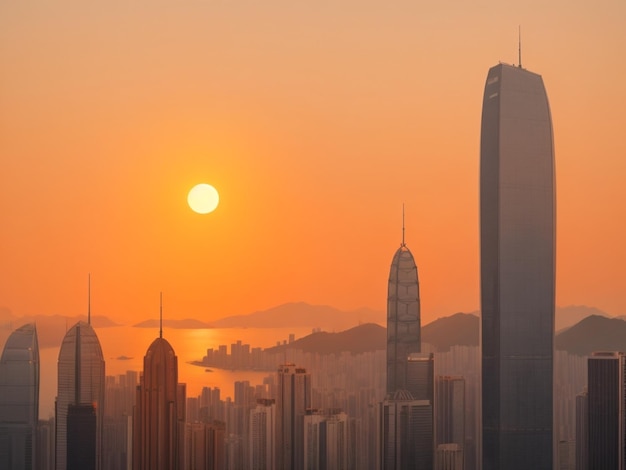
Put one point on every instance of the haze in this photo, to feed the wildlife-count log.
(315, 122)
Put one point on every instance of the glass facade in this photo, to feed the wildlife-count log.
(19, 399)
(80, 382)
(517, 241)
(403, 317)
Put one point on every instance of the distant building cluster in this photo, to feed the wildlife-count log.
(512, 404)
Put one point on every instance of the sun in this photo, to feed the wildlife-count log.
(203, 198)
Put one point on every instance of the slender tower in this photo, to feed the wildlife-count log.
(403, 316)
(517, 244)
(159, 417)
(19, 399)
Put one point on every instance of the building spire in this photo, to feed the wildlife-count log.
(403, 244)
(519, 47)
(160, 314)
(89, 299)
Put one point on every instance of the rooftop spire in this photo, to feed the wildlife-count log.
(160, 314)
(403, 244)
(89, 298)
(519, 47)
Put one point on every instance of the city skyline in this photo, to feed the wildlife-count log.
(313, 143)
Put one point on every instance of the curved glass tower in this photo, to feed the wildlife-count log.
(19, 399)
(403, 317)
(80, 388)
(517, 243)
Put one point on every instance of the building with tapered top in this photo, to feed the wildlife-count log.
(159, 416)
(403, 316)
(517, 254)
(80, 386)
(19, 399)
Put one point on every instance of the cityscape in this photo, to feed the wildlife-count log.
(442, 370)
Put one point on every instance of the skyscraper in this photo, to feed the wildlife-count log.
(80, 384)
(517, 242)
(606, 411)
(403, 316)
(262, 426)
(406, 430)
(292, 400)
(159, 418)
(19, 399)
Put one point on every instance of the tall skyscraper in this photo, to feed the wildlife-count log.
(606, 411)
(450, 411)
(80, 384)
(582, 431)
(159, 417)
(517, 242)
(406, 432)
(19, 399)
(403, 316)
(292, 400)
(262, 438)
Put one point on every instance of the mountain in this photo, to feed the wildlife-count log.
(566, 317)
(302, 315)
(360, 339)
(594, 333)
(188, 323)
(458, 329)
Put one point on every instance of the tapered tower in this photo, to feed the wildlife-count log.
(80, 387)
(403, 316)
(19, 399)
(517, 243)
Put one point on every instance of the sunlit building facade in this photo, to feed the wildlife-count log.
(19, 399)
(517, 240)
(292, 400)
(159, 418)
(403, 317)
(80, 384)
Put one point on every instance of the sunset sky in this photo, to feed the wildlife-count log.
(315, 121)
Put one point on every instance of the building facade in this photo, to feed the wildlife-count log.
(292, 400)
(19, 399)
(517, 242)
(80, 382)
(159, 418)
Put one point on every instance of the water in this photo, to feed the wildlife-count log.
(189, 345)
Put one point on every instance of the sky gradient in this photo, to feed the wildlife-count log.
(315, 121)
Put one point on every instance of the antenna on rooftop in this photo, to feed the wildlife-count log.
(519, 42)
(89, 299)
(160, 314)
(403, 244)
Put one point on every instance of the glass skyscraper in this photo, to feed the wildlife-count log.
(19, 399)
(403, 317)
(80, 385)
(517, 243)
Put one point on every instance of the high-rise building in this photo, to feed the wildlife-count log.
(517, 242)
(159, 418)
(292, 400)
(80, 383)
(582, 431)
(420, 375)
(449, 457)
(406, 430)
(204, 446)
(403, 316)
(606, 408)
(19, 399)
(450, 413)
(262, 440)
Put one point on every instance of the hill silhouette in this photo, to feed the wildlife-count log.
(360, 339)
(594, 333)
(458, 329)
(302, 315)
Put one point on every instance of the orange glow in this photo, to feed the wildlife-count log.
(316, 122)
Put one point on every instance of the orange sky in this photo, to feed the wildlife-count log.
(315, 121)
